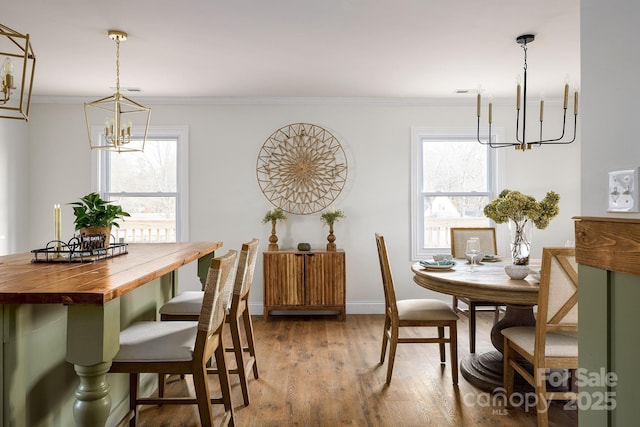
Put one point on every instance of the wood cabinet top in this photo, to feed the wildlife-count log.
(608, 243)
(24, 282)
(295, 251)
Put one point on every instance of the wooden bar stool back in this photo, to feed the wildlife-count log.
(186, 305)
(240, 310)
(182, 347)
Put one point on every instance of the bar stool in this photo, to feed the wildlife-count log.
(185, 305)
(183, 347)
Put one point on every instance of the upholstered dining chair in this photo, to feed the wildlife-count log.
(553, 342)
(181, 347)
(414, 313)
(186, 305)
(459, 237)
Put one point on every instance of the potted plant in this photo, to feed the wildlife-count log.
(95, 217)
(273, 216)
(329, 217)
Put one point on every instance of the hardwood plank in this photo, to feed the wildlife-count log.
(319, 371)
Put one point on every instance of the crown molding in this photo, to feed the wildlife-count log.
(212, 100)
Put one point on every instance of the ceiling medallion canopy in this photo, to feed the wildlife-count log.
(301, 168)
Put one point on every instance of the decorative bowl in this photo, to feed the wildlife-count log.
(517, 272)
(442, 257)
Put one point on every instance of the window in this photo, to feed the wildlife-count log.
(150, 185)
(453, 178)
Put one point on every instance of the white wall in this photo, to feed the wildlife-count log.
(227, 204)
(14, 180)
(611, 65)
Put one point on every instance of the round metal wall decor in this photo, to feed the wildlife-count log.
(301, 168)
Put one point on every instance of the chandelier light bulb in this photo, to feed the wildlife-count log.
(7, 67)
(7, 75)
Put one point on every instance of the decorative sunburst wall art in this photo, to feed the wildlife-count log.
(301, 168)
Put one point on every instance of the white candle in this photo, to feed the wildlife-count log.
(57, 223)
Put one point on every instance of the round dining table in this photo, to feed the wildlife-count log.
(488, 282)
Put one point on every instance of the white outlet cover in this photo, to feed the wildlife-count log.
(623, 191)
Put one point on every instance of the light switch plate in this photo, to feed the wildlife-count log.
(623, 191)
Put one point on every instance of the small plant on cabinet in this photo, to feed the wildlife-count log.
(273, 216)
(329, 217)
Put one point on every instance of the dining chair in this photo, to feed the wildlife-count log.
(186, 305)
(414, 313)
(181, 347)
(553, 342)
(459, 237)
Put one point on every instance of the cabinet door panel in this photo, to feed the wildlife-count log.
(284, 275)
(324, 279)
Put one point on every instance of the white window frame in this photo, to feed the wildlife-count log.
(181, 133)
(495, 167)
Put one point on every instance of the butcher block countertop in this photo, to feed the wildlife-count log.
(25, 282)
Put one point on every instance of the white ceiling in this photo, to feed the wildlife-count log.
(299, 48)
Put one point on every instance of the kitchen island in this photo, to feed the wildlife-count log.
(90, 303)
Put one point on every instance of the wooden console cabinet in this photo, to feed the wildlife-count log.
(304, 281)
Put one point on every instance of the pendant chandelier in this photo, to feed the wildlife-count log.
(14, 100)
(122, 116)
(521, 125)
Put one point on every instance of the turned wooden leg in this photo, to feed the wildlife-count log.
(93, 402)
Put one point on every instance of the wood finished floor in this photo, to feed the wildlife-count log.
(317, 371)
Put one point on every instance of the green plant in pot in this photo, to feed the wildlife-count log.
(95, 217)
(273, 216)
(329, 217)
